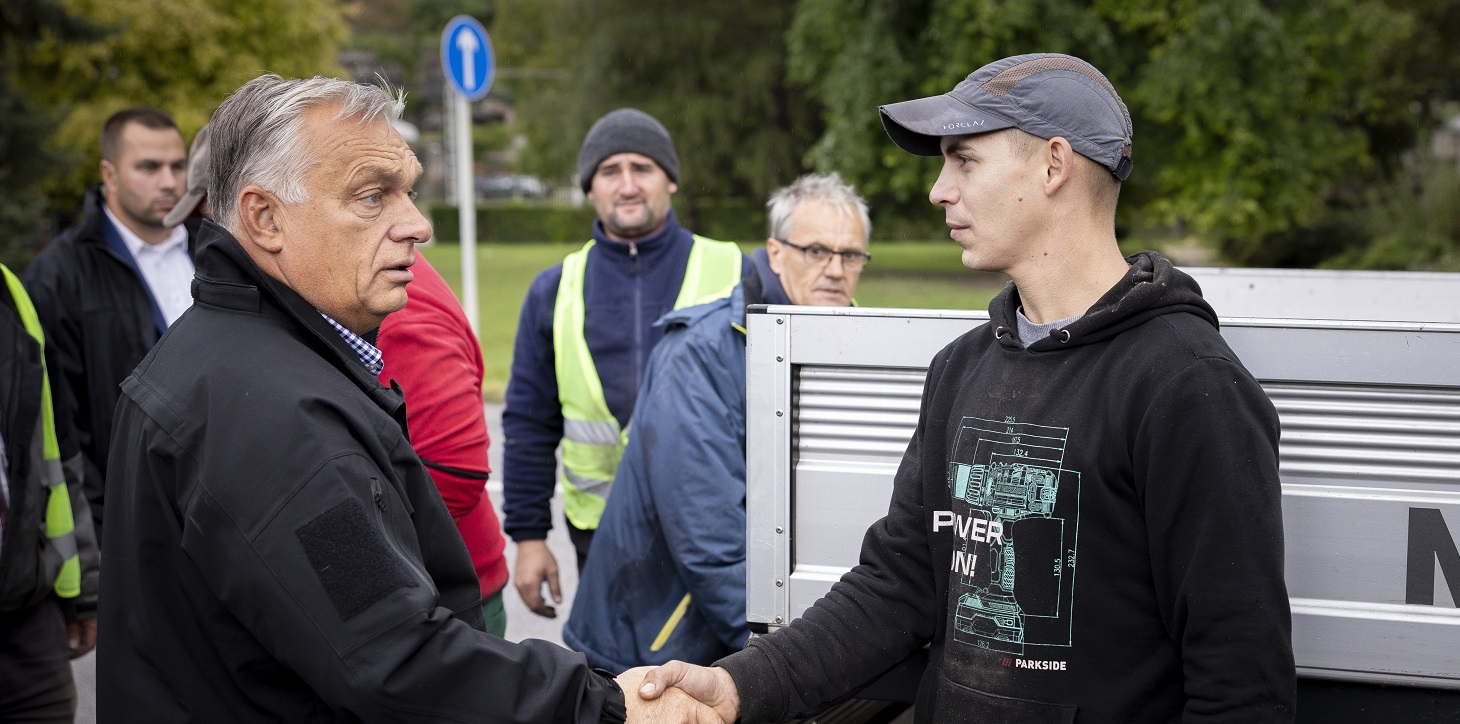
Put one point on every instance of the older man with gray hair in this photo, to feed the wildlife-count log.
(279, 552)
(666, 577)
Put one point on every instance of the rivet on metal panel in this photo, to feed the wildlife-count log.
(780, 583)
(780, 413)
(780, 358)
(780, 320)
(780, 619)
(780, 529)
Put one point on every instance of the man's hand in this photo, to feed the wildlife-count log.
(712, 686)
(675, 707)
(535, 566)
(81, 637)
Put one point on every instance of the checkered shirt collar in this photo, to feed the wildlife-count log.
(368, 354)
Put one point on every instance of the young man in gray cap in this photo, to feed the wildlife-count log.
(585, 334)
(1086, 526)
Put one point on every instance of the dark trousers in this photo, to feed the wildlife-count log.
(582, 539)
(35, 666)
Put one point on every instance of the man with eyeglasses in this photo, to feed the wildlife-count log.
(666, 576)
(819, 271)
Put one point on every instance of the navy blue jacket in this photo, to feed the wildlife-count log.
(675, 524)
(626, 288)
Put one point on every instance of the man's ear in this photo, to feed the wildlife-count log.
(108, 174)
(673, 187)
(258, 219)
(775, 252)
(1060, 162)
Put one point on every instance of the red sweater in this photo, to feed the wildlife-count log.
(430, 350)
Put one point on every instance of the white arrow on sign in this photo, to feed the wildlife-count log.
(466, 42)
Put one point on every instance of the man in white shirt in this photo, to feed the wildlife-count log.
(107, 288)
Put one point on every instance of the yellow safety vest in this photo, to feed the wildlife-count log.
(593, 444)
(60, 526)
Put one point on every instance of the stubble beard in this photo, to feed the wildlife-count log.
(633, 228)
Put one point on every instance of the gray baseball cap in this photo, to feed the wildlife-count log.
(197, 181)
(1042, 94)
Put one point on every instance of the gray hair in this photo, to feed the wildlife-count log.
(828, 189)
(256, 135)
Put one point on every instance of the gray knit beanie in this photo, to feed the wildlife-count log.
(626, 130)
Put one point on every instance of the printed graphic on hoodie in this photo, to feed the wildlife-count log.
(1017, 517)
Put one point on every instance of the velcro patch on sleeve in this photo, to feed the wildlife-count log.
(352, 558)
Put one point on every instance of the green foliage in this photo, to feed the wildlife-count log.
(1246, 112)
(716, 77)
(408, 32)
(183, 56)
(25, 160)
(1411, 223)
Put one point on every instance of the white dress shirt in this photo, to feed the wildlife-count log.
(166, 268)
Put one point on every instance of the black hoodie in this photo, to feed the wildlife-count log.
(1085, 529)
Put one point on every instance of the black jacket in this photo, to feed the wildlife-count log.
(1085, 529)
(100, 321)
(29, 560)
(281, 551)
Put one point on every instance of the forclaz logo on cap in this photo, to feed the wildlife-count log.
(1053, 665)
(961, 124)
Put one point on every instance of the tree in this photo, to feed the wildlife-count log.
(1246, 113)
(408, 32)
(716, 77)
(24, 159)
(183, 56)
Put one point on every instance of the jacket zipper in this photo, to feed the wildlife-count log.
(380, 505)
(638, 312)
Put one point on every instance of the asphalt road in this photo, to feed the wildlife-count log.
(521, 623)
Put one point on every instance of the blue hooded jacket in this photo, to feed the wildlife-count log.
(666, 575)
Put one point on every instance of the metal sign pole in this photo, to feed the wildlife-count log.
(466, 208)
(466, 60)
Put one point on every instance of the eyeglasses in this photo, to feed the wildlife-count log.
(818, 254)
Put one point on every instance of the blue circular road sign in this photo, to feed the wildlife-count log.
(466, 57)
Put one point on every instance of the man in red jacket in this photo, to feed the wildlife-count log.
(430, 350)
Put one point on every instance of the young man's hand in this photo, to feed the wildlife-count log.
(712, 686)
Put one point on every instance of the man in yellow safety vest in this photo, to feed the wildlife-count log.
(48, 558)
(585, 335)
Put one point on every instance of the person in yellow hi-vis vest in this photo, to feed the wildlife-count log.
(585, 334)
(48, 557)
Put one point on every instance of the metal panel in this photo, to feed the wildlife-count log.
(1371, 429)
(1323, 294)
(768, 442)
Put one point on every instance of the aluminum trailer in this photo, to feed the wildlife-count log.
(1369, 402)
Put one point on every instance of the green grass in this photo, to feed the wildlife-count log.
(901, 274)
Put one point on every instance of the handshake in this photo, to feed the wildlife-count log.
(679, 693)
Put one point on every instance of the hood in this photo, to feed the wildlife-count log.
(769, 284)
(1150, 288)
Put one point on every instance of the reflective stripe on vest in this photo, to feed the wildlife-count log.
(60, 525)
(593, 444)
